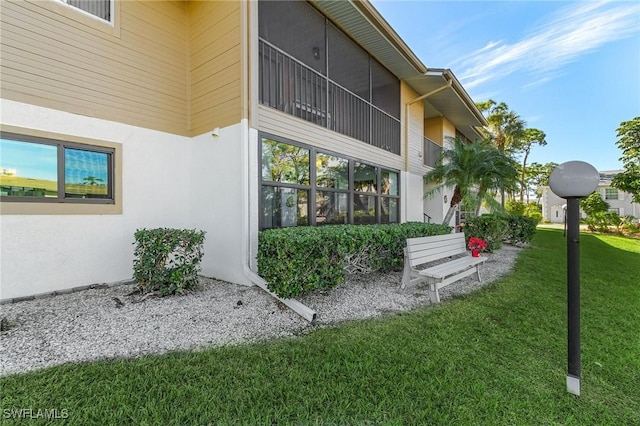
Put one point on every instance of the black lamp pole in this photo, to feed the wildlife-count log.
(573, 180)
(573, 294)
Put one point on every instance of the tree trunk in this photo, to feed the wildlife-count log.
(456, 198)
(449, 215)
(522, 179)
(479, 202)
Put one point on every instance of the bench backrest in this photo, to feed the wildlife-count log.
(427, 249)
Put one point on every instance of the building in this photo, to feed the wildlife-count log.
(225, 116)
(619, 201)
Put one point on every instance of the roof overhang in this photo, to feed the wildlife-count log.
(452, 103)
(367, 27)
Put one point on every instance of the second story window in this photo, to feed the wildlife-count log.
(98, 8)
(611, 194)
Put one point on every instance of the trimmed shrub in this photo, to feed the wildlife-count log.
(299, 260)
(514, 207)
(537, 216)
(605, 221)
(495, 229)
(490, 227)
(167, 260)
(520, 229)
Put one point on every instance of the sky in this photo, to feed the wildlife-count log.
(568, 68)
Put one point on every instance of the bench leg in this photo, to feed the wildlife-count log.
(478, 273)
(406, 272)
(433, 293)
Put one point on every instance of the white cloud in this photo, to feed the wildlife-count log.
(571, 32)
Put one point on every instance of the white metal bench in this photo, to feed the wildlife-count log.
(424, 250)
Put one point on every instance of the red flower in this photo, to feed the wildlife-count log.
(477, 244)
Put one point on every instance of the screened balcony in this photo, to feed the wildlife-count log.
(291, 86)
(432, 152)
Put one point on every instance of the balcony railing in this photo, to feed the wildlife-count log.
(432, 152)
(290, 86)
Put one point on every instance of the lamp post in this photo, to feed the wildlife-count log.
(573, 180)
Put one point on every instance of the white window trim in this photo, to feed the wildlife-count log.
(91, 15)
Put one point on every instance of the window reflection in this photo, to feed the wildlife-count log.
(86, 174)
(331, 208)
(389, 182)
(344, 190)
(364, 209)
(365, 177)
(389, 210)
(283, 207)
(332, 172)
(284, 163)
(28, 169)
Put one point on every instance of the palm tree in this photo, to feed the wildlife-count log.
(497, 173)
(465, 167)
(92, 180)
(506, 128)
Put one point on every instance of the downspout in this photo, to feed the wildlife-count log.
(302, 310)
(247, 95)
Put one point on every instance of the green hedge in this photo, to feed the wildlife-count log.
(520, 229)
(490, 227)
(495, 229)
(167, 260)
(299, 260)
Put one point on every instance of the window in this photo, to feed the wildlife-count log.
(610, 194)
(98, 8)
(332, 183)
(285, 184)
(305, 186)
(390, 200)
(47, 170)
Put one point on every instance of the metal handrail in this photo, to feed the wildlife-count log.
(324, 113)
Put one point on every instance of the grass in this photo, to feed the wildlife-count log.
(496, 357)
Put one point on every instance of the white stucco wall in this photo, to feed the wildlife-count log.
(433, 204)
(168, 181)
(413, 194)
(218, 200)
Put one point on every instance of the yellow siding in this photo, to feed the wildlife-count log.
(215, 64)
(135, 72)
(284, 125)
(448, 129)
(433, 129)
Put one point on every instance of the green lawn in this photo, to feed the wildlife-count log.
(496, 357)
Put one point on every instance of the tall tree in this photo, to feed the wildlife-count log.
(531, 137)
(506, 128)
(629, 142)
(539, 175)
(471, 169)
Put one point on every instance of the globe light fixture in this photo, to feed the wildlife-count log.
(573, 180)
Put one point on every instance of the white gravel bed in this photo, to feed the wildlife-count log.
(89, 325)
